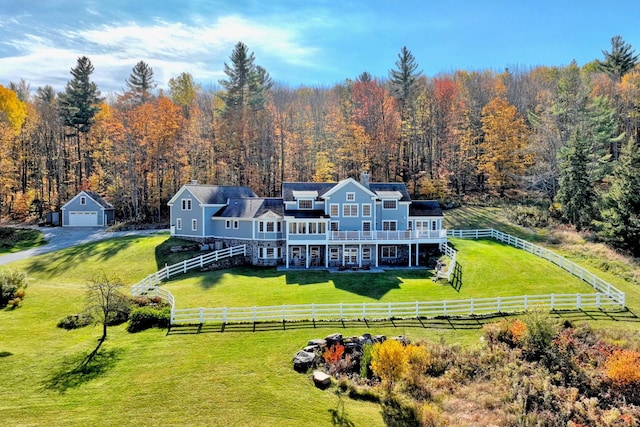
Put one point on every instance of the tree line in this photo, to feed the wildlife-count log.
(569, 135)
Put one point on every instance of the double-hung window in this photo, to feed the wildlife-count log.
(186, 204)
(389, 252)
(350, 209)
(389, 225)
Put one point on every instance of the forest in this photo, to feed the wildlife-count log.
(565, 138)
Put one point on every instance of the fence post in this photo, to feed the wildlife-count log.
(224, 315)
(255, 314)
(598, 300)
(201, 316)
(313, 312)
(417, 309)
(284, 316)
(184, 266)
(389, 310)
(579, 301)
(173, 317)
(526, 302)
(364, 310)
(444, 307)
(552, 301)
(340, 311)
(471, 306)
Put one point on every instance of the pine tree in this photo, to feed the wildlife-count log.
(576, 194)
(140, 82)
(78, 105)
(247, 82)
(620, 225)
(620, 60)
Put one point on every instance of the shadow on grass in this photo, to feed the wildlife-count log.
(452, 323)
(339, 415)
(456, 277)
(58, 262)
(73, 372)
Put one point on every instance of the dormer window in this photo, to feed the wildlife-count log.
(305, 204)
(389, 204)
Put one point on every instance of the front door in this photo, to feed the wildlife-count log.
(350, 255)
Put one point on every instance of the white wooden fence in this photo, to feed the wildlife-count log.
(150, 285)
(605, 297)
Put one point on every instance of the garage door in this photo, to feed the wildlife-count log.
(83, 219)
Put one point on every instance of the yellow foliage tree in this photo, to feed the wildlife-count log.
(623, 367)
(503, 156)
(12, 110)
(389, 361)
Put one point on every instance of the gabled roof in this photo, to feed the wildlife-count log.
(387, 188)
(214, 194)
(425, 208)
(288, 188)
(97, 198)
(254, 207)
(345, 182)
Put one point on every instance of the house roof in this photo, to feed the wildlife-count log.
(215, 194)
(388, 188)
(425, 208)
(344, 183)
(289, 188)
(93, 196)
(254, 207)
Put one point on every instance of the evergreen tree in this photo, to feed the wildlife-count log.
(620, 60)
(140, 82)
(620, 225)
(78, 105)
(576, 194)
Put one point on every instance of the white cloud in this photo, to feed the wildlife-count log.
(169, 47)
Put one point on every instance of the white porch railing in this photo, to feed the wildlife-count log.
(387, 235)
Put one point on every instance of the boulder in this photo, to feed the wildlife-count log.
(333, 339)
(321, 380)
(303, 360)
(318, 342)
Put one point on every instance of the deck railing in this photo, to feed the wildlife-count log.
(387, 235)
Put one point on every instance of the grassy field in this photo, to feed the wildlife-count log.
(19, 239)
(236, 378)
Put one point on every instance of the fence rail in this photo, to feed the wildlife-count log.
(606, 296)
(398, 310)
(594, 281)
(150, 285)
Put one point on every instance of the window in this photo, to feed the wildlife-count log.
(389, 204)
(389, 225)
(313, 228)
(305, 204)
(302, 228)
(389, 252)
(334, 225)
(83, 200)
(366, 225)
(351, 197)
(366, 254)
(270, 253)
(351, 255)
(334, 210)
(227, 224)
(270, 227)
(293, 228)
(322, 228)
(366, 210)
(433, 225)
(186, 204)
(410, 226)
(179, 223)
(349, 209)
(236, 224)
(194, 224)
(334, 254)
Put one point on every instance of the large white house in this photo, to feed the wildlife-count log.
(348, 224)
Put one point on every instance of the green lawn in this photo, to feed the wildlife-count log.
(19, 239)
(236, 378)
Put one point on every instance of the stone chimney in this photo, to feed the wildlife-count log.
(364, 179)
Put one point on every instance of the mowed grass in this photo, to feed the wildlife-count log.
(19, 239)
(236, 378)
(489, 269)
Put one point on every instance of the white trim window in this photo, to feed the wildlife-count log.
(334, 209)
(227, 224)
(270, 253)
(389, 251)
(366, 254)
(366, 226)
(351, 197)
(366, 209)
(350, 209)
(389, 204)
(236, 224)
(334, 254)
(306, 204)
(178, 223)
(389, 226)
(83, 200)
(334, 225)
(194, 225)
(186, 204)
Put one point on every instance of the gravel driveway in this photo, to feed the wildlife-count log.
(64, 237)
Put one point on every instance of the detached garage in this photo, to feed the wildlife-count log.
(87, 209)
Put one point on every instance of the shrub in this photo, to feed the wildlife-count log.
(75, 321)
(142, 318)
(527, 216)
(389, 361)
(505, 331)
(121, 310)
(538, 342)
(623, 367)
(398, 411)
(365, 361)
(12, 286)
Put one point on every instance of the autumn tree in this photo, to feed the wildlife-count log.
(504, 156)
(78, 106)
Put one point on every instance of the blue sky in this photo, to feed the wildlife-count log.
(301, 42)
